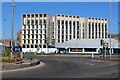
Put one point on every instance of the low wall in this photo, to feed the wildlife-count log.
(46, 50)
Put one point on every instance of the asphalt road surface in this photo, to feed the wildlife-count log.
(68, 67)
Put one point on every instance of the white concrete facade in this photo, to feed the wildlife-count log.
(39, 29)
(36, 30)
(74, 27)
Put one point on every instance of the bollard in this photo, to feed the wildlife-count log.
(92, 55)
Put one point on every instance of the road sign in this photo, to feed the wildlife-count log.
(16, 49)
(105, 45)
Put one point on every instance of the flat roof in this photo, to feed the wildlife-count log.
(87, 43)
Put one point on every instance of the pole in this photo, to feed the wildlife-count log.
(12, 27)
(105, 52)
(110, 27)
(4, 34)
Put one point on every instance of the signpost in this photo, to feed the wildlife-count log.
(105, 46)
(17, 49)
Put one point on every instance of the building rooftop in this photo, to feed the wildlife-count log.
(86, 43)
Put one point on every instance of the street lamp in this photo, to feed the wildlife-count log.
(110, 27)
(12, 26)
(4, 33)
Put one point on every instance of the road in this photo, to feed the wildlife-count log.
(68, 67)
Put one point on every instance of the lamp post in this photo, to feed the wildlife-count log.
(12, 26)
(4, 33)
(110, 27)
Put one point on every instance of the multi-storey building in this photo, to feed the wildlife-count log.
(41, 29)
(36, 30)
(75, 27)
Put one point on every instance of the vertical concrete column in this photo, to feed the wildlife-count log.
(104, 29)
(83, 50)
(60, 30)
(91, 28)
(101, 28)
(94, 28)
(69, 50)
(68, 30)
(64, 29)
(81, 30)
(72, 27)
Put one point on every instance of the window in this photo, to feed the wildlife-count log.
(44, 46)
(24, 26)
(77, 23)
(58, 26)
(62, 40)
(45, 26)
(40, 41)
(23, 46)
(70, 37)
(28, 41)
(40, 21)
(32, 31)
(36, 46)
(40, 15)
(45, 30)
(58, 21)
(40, 26)
(83, 25)
(24, 36)
(58, 31)
(66, 23)
(36, 22)
(32, 36)
(32, 26)
(27, 46)
(62, 22)
(28, 22)
(32, 41)
(36, 26)
(45, 15)
(73, 23)
(89, 24)
(24, 41)
(37, 31)
(36, 41)
(36, 36)
(28, 36)
(28, 26)
(58, 41)
(45, 21)
(40, 31)
(24, 31)
(32, 22)
(62, 27)
(32, 46)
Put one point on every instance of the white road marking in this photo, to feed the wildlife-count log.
(96, 60)
(90, 64)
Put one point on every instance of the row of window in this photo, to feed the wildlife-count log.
(66, 22)
(34, 27)
(33, 46)
(41, 21)
(34, 41)
(34, 31)
(34, 15)
(33, 36)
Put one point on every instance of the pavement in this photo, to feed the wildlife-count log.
(6, 67)
(68, 67)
